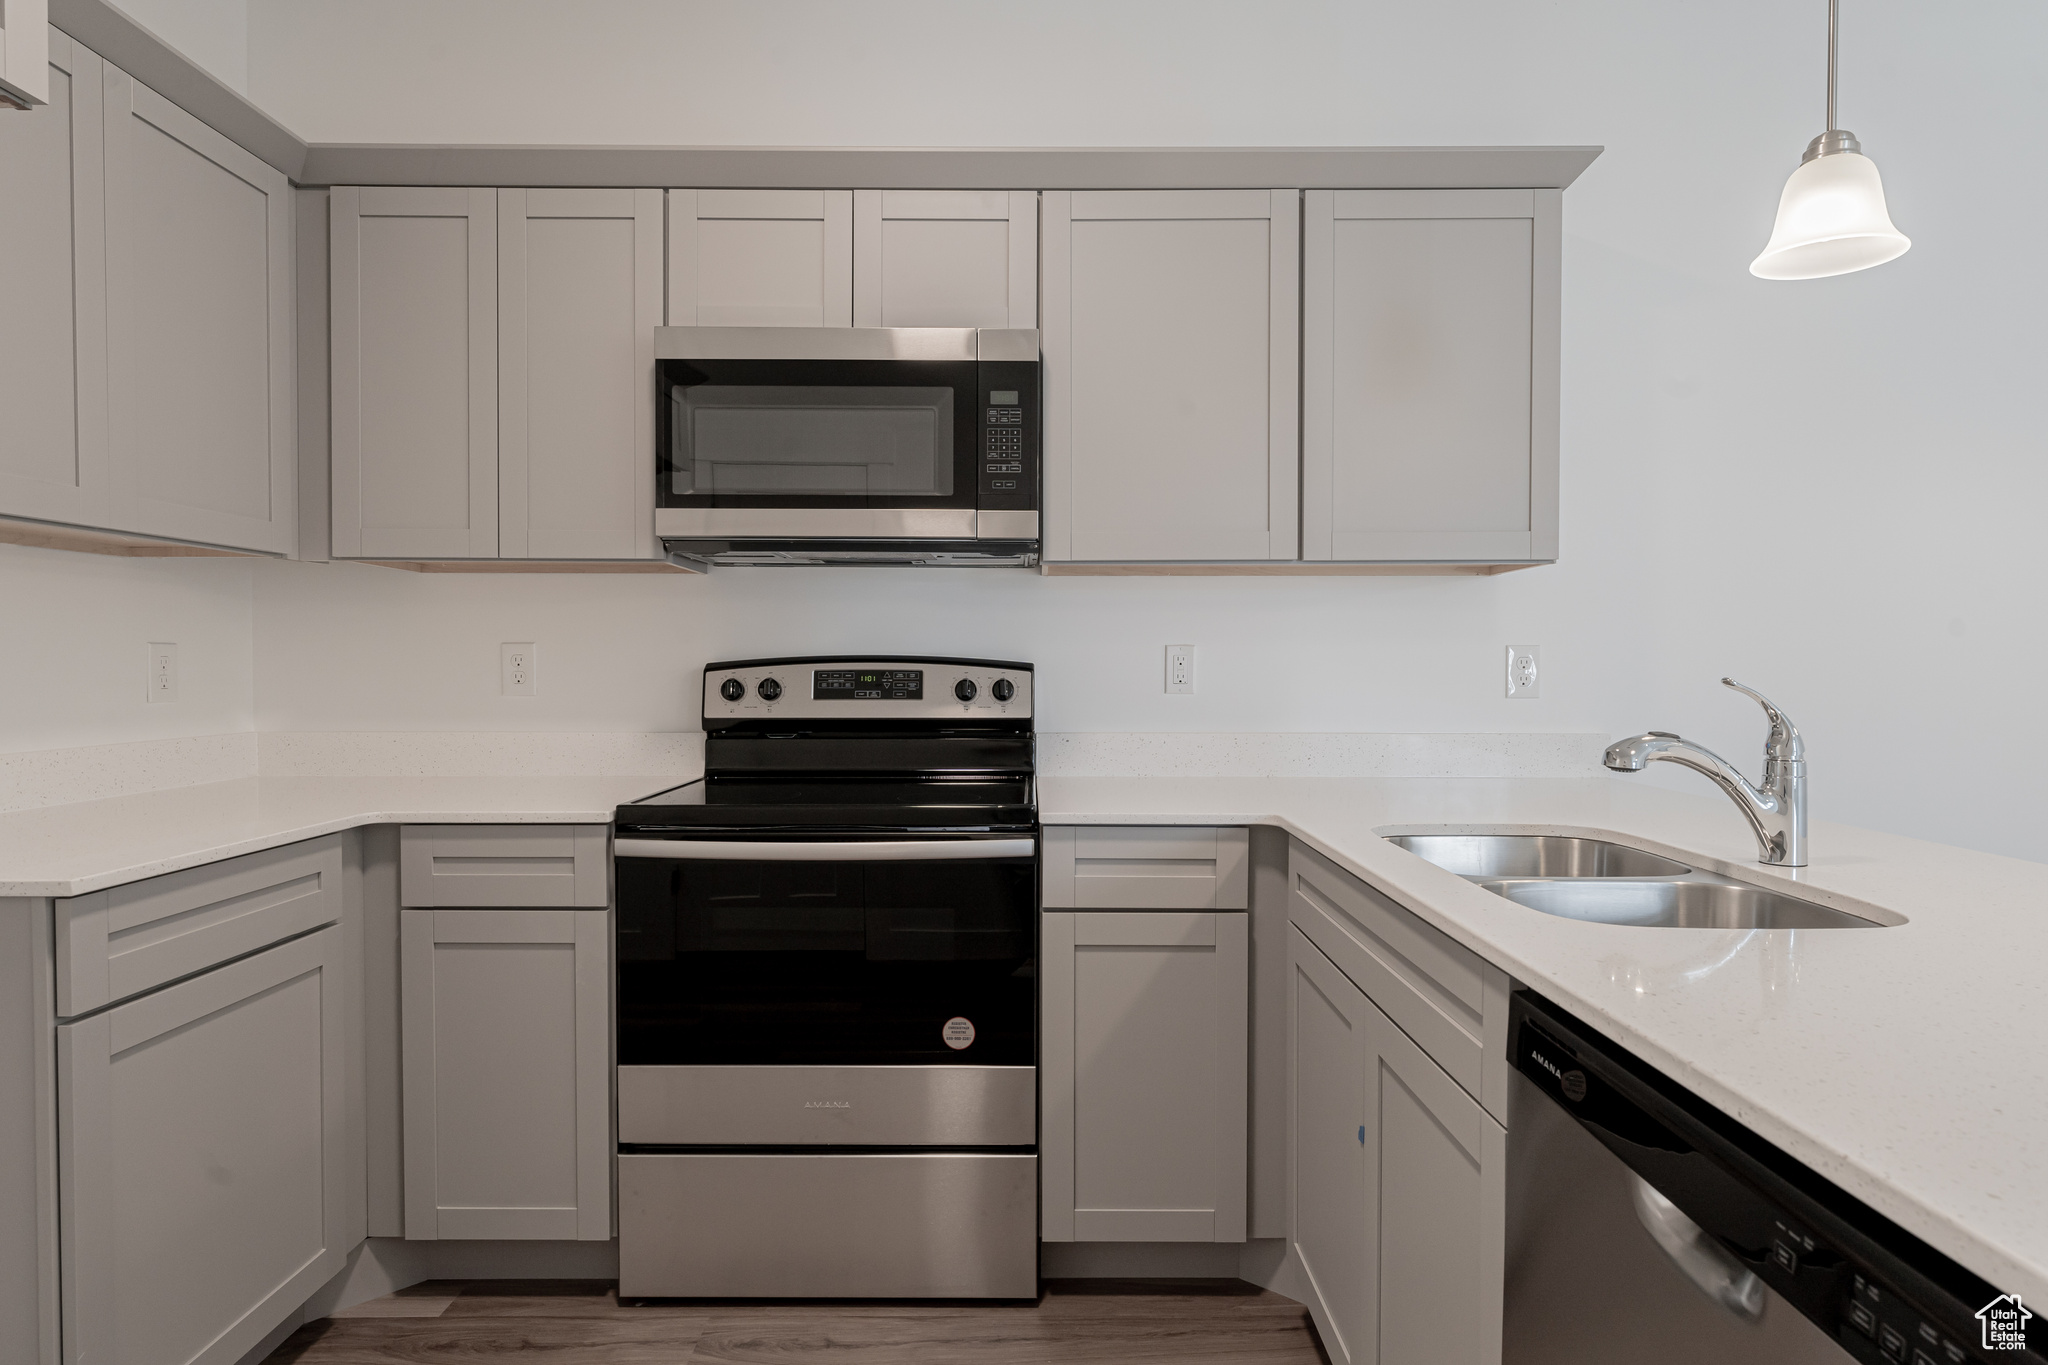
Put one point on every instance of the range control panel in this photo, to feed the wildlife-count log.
(880, 688)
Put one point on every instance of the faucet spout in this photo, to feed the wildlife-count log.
(1776, 811)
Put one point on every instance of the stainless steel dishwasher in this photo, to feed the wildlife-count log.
(1645, 1226)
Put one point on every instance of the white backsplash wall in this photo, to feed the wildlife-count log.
(74, 636)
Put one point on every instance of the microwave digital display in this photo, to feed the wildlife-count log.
(880, 684)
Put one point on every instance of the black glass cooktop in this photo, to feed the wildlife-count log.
(825, 803)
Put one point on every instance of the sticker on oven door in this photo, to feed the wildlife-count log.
(958, 1033)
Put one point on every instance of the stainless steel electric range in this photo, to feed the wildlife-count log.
(826, 997)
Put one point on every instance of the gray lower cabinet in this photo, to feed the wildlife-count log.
(507, 1075)
(205, 1158)
(1398, 1184)
(1144, 1045)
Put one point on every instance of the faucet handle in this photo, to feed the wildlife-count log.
(1784, 741)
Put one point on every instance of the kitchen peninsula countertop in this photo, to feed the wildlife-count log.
(1909, 1063)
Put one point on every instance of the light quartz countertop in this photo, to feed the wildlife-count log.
(1909, 1064)
(72, 849)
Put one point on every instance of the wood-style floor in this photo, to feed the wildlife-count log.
(1209, 1322)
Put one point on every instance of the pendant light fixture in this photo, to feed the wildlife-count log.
(1831, 217)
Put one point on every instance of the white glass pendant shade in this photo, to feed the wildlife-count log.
(1831, 220)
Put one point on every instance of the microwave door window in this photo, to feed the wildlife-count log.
(814, 440)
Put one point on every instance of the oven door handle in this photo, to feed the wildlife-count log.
(875, 851)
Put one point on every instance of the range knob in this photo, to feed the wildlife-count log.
(732, 689)
(965, 689)
(1003, 690)
(769, 689)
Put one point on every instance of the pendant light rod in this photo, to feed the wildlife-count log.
(1834, 7)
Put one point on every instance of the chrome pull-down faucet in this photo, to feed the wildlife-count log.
(1776, 811)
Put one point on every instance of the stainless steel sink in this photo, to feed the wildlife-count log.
(1699, 901)
(1534, 855)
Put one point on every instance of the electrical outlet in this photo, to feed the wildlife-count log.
(517, 673)
(1525, 672)
(1180, 669)
(161, 681)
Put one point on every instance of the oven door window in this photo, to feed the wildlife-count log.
(797, 963)
(814, 433)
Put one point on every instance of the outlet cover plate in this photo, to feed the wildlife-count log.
(160, 683)
(1525, 672)
(517, 676)
(1180, 669)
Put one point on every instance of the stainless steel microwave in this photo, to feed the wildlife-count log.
(847, 445)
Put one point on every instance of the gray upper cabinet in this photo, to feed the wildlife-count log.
(1170, 326)
(579, 297)
(760, 258)
(414, 326)
(25, 78)
(200, 381)
(945, 258)
(1430, 375)
(53, 438)
(146, 362)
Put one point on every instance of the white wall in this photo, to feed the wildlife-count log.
(1830, 489)
(77, 627)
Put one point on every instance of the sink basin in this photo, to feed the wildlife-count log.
(1697, 902)
(1534, 855)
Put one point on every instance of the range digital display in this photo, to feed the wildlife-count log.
(867, 684)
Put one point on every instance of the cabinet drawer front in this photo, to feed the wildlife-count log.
(507, 865)
(1116, 867)
(116, 943)
(1434, 988)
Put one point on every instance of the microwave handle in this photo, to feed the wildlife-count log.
(892, 850)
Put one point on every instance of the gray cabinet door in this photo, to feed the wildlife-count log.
(945, 258)
(200, 375)
(507, 1074)
(53, 402)
(760, 258)
(1430, 374)
(203, 1145)
(579, 297)
(1398, 1184)
(1171, 400)
(414, 332)
(1327, 1199)
(1145, 1046)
